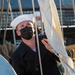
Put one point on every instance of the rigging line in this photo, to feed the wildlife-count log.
(2, 6)
(8, 1)
(37, 40)
(20, 6)
(73, 7)
(12, 19)
(61, 20)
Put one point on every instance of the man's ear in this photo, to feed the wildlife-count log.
(18, 32)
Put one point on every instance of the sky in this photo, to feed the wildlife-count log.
(28, 3)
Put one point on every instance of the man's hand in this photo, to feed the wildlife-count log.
(47, 45)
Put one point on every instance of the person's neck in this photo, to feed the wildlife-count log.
(30, 43)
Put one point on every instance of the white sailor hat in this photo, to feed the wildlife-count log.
(21, 18)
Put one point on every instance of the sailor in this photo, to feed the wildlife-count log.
(25, 59)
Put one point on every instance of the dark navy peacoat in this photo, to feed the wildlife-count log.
(25, 61)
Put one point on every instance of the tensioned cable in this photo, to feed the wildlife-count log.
(6, 22)
(61, 20)
(73, 7)
(37, 40)
(12, 19)
(20, 6)
(2, 6)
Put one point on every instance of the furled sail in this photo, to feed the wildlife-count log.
(54, 34)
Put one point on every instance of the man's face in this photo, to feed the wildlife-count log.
(22, 25)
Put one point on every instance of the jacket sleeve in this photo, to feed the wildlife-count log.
(51, 54)
(17, 65)
(55, 57)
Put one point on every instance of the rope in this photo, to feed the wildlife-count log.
(6, 22)
(2, 5)
(37, 40)
(6, 49)
(20, 6)
(61, 17)
(73, 7)
(12, 19)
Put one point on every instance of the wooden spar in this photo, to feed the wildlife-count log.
(2, 6)
(20, 6)
(13, 28)
(73, 7)
(39, 55)
(6, 22)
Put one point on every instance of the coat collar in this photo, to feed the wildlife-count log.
(28, 54)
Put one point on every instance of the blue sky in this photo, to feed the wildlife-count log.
(28, 3)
